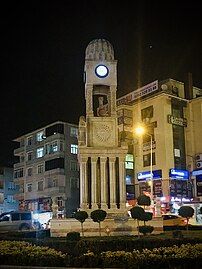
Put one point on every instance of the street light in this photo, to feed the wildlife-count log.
(140, 130)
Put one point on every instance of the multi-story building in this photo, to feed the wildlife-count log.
(47, 172)
(7, 190)
(171, 112)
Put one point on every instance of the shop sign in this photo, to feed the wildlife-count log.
(179, 174)
(147, 175)
(199, 185)
(177, 121)
(147, 146)
(147, 89)
(196, 172)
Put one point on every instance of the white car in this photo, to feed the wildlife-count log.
(18, 221)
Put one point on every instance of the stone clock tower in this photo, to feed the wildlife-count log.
(101, 155)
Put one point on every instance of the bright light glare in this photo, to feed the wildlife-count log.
(139, 130)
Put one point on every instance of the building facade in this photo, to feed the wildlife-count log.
(47, 173)
(8, 190)
(172, 117)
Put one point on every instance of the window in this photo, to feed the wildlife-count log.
(10, 199)
(39, 136)
(29, 171)
(147, 159)
(129, 161)
(18, 173)
(73, 166)
(74, 183)
(55, 129)
(39, 152)
(52, 182)
(29, 156)
(29, 141)
(147, 113)
(74, 149)
(29, 187)
(40, 185)
(40, 169)
(1, 184)
(11, 185)
(54, 164)
(53, 147)
(60, 201)
(22, 158)
(74, 131)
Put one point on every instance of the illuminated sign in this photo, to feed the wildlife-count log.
(130, 97)
(177, 121)
(147, 175)
(179, 174)
(196, 172)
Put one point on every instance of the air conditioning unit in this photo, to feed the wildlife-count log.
(198, 157)
(199, 164)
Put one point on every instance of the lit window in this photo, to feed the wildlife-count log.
(74, 149)
(54, 147)
(10, 199)
(39, 152)
(39, 136)
(74, 131)
(11, 185)
(129, 161)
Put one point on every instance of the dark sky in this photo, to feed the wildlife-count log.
(43, 48)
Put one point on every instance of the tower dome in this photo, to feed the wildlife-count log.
(99, 49)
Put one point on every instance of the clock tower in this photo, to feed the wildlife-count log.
(101, 155)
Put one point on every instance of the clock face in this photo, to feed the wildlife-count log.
(101, 71)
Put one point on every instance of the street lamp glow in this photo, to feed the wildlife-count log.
(140, 130)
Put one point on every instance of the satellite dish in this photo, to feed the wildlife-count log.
(164, 87)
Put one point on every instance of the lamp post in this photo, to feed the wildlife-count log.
(140, 130)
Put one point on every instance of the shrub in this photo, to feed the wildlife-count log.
(146, 229)
(23, 253)
(73, 236)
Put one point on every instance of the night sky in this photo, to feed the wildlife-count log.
(43, 49)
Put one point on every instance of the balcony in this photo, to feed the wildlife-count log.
(18, 151)
(54, 137)
(19, 165)
(55, 172)
(54, 190)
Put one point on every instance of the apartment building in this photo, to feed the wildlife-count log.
(8, 190)
(47, 173)
(171, 113)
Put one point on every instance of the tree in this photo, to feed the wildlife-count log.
(98, 215)
(186, 212)
(144, 200)
(137, 213)
(81, 216)
(146, 217)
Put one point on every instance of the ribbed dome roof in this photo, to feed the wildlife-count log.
(99, 49)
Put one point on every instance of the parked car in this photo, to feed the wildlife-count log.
(173, 220)
(18, 221)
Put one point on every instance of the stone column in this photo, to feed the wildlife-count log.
(83, 183)
(103, 182)
(89, 100)
(94, 190)
(113, 100)
(112, 182)
(122, 183)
